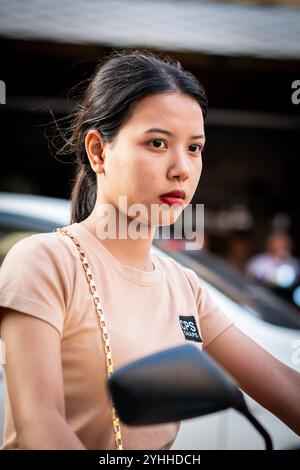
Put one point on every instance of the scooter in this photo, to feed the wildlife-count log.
(173, 385)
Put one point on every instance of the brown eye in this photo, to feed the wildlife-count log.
(156, 143)
(196, 147)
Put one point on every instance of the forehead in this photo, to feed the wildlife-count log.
(173, 111)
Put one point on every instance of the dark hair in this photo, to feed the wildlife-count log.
(121, 80)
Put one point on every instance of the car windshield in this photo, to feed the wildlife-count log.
(263, 302)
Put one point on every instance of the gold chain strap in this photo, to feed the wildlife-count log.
(105, 335)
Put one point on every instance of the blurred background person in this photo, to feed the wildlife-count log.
(277, 265)
(239, 250)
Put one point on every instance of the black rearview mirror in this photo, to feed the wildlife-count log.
(172, 385)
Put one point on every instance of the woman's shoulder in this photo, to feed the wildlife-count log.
(37, 277)
(46, 246)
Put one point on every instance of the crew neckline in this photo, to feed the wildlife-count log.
(94, 246)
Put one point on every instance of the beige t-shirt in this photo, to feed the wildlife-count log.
(42, 275)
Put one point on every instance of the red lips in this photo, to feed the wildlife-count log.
(179, 193)
(173, 197)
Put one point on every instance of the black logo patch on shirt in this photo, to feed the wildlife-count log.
(189, 327)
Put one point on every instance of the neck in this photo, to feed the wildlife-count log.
(127, 250)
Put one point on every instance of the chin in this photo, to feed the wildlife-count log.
(169, 218)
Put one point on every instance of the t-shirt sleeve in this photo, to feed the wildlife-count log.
(213, 321)
(33, 280)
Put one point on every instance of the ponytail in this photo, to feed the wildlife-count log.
(84, 193)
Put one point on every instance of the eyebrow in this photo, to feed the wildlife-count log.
(164, 131)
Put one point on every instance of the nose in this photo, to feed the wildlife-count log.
(179, 167)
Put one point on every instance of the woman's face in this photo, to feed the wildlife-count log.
(142, 164)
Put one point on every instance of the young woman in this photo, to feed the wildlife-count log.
(139, 134)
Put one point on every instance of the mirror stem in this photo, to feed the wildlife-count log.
(243, 408)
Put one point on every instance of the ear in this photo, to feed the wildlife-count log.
(94, 146)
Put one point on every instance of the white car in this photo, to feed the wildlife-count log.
(266, 318)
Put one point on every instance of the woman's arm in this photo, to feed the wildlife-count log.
(270, 382)
(35, 383)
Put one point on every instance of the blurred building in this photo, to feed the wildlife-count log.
(246, 54)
